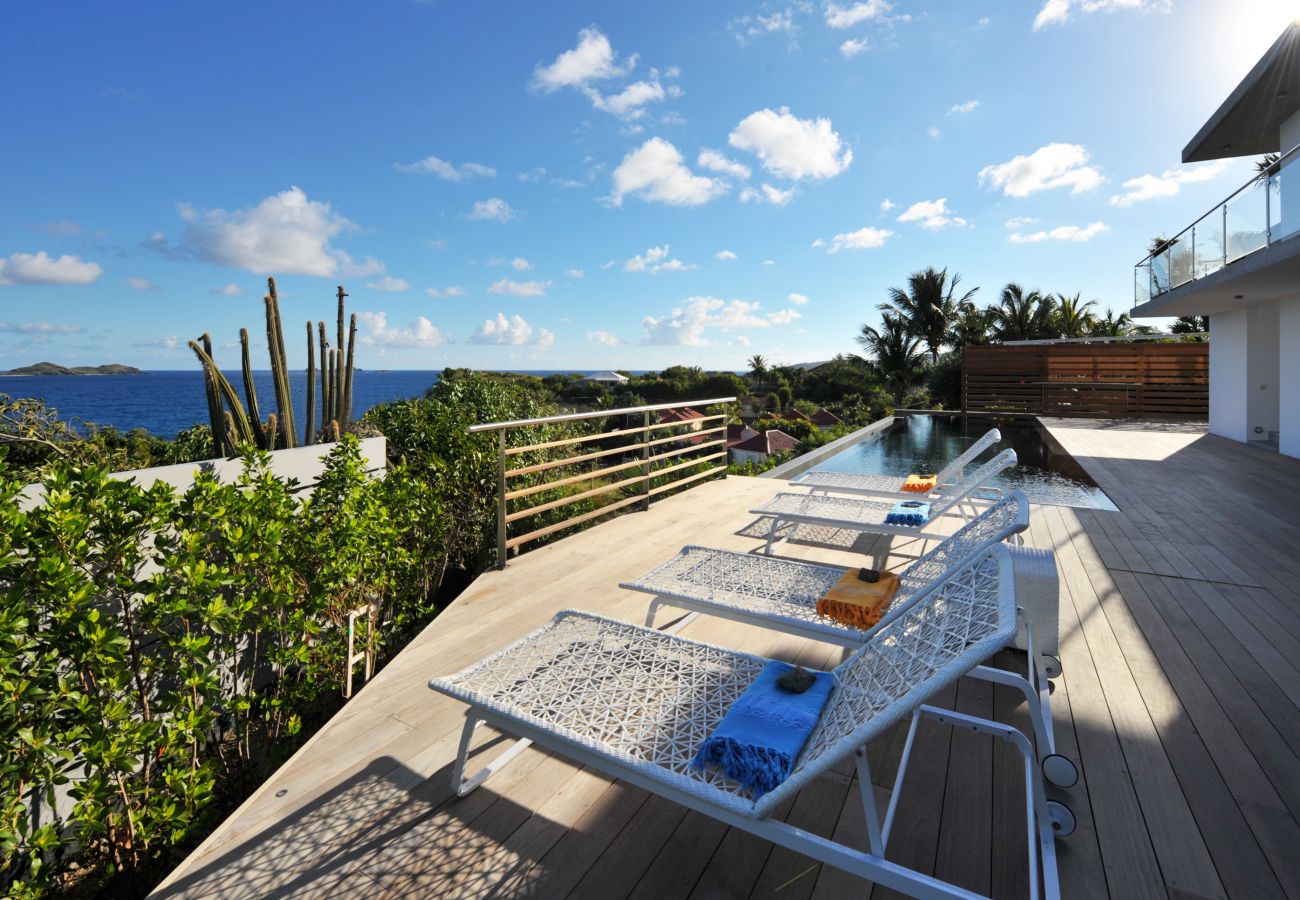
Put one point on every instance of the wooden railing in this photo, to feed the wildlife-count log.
(641, 455)
(1088, 380)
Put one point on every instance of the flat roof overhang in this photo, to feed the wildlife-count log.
(1247, 123)
(1264, 276)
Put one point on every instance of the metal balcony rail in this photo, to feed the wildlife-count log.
(1250, 219)
(629, 451)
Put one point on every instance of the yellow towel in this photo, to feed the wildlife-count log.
(920, 484)
(857, 603)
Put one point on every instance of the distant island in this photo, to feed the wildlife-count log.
(49, 368)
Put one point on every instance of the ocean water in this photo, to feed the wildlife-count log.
(167, 402)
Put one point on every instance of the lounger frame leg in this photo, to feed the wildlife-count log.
(464, 786)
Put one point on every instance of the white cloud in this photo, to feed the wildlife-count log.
(769, 262)
(575, 273)
(655, 171)
(364, 269)
(513, 331)
(746, 28)
(1167, 184)
(493, 209)
(229, 290)
(1052, 166)
(797, 299)
(41, 268)
(932, 214)
(852, 47)
(39, 328)
(790, 147)
(847, 16)
(629, 102)
(725, 255)
(1060, 233)
(656, 260)
(817, 242)
(716, 162)
(141, 284)
(765, 193)
(519, 264)
(687, 325)
(1017, 222)
(862, 239)
(167, 342)
(285, 234)
(886, 205)
(1055, 12)
(433, 165)
(420, 333)
(390, 284)
(604, 338)
(740, 341)
(932, 131)
(519, 288)
(593, 59)
(443, 293)
(59, 228)
(963, 108)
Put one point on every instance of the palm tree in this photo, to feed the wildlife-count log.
(1073, 320)
(1266, 166)
(758, 367)
(973, 327)
(894, 356)
(929, 306)
(1190, 325)
(1021, 316)
(1112, 325)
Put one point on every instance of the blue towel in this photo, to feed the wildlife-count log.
(764, 731)
(908, 512)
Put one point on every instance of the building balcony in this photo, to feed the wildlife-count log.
(1260, 214)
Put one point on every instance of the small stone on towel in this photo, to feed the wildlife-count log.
(797, 680)
(870, 576)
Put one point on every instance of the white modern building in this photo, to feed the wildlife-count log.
(1239, 264)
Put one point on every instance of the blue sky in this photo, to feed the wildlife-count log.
(586, 185)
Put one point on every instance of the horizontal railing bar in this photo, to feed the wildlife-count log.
(679, 437)
(690, 462)
(692, 447)
(573, 417)
(618, 432)
(569, 523)
(569, 460)
(700, 421)
(687, 480)
(565, 501)
(572, 479)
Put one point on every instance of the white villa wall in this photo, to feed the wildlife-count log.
(1228, 375)
(1262, 371)
(740, 457)
(1289, 376)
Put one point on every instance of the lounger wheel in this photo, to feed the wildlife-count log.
(1052, 665)
(1061, 818)
(1060, 770)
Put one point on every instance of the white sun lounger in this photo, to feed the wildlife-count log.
(636, 704)
(782, 594)
(868, 515)
(891, 485)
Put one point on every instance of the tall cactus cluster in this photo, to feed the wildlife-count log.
(234, 425)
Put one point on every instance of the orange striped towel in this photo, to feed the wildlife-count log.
(857, 603)
(920, 484)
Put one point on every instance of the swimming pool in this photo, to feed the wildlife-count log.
(923, 443)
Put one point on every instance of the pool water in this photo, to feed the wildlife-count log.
(1044, 471)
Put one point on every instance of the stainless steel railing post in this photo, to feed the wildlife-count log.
(501, 499)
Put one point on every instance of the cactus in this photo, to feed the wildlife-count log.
(232, 427)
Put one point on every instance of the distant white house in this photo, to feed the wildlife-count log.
(1240, 263)
(606, 378)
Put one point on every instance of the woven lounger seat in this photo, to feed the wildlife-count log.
(782, 595)
(863, 514)
(637, 704)
(892, 486)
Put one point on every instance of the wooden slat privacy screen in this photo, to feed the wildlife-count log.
(1088, 380)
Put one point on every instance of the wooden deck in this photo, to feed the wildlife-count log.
(1180, 625)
